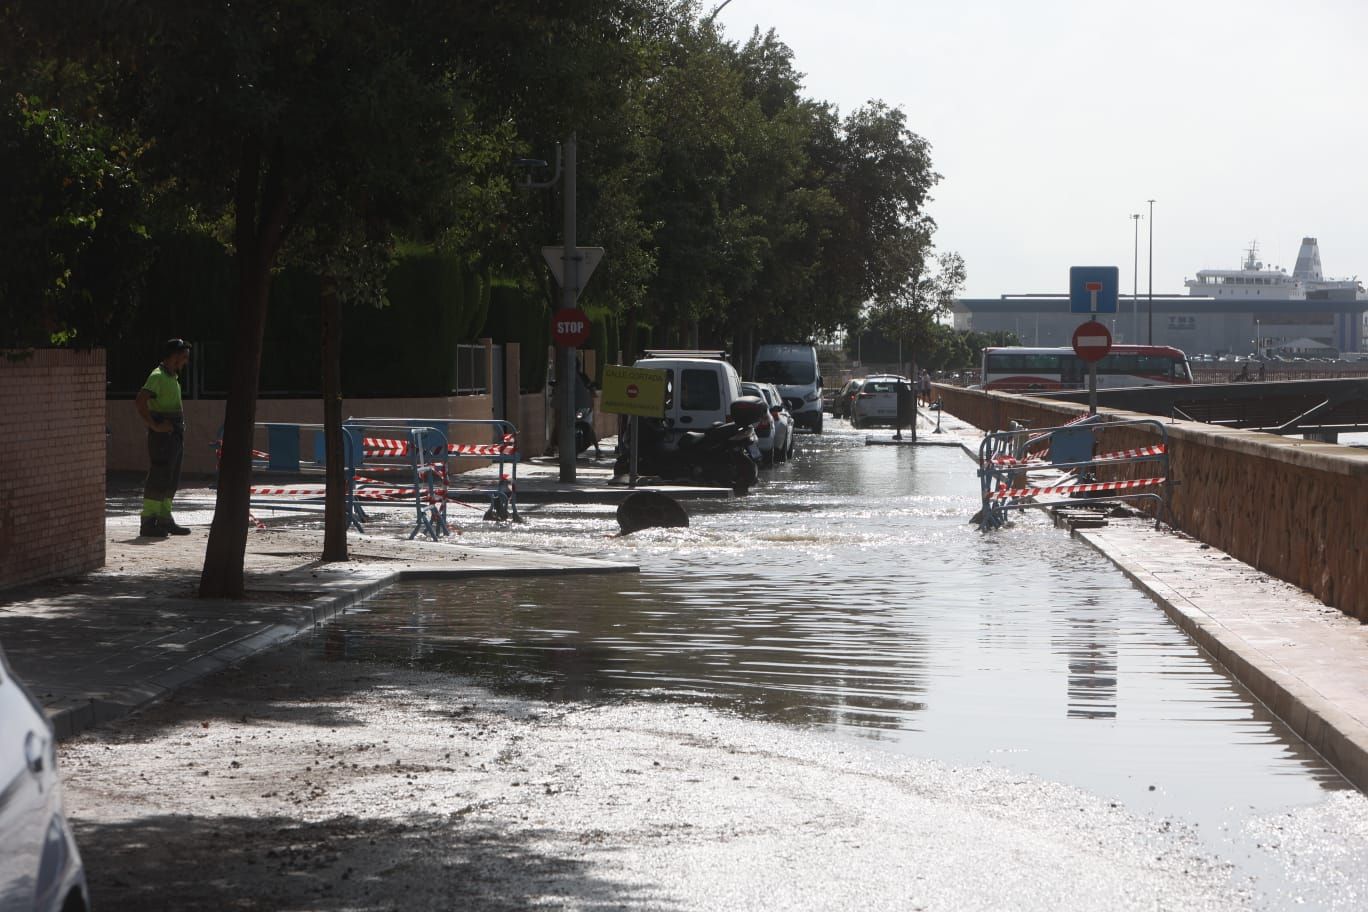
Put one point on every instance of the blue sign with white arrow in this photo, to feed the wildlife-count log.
(1093, 289)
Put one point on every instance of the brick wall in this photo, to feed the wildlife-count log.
(1294, 509)
(52, 464)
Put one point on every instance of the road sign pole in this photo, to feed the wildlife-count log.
(636, 444)
(567, 367)
(1092, 388)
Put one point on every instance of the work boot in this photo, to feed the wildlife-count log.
(172, 527)
(149, 527)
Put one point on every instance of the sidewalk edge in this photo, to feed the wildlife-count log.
(1341, 740)
(81, 715)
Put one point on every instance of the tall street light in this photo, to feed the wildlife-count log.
(1135, 281)
(1150, 293)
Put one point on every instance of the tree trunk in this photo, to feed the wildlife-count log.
(257, 241)
(335, 508)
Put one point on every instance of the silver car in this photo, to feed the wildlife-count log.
(40, 868)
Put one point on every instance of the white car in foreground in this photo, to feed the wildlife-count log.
(40, 868)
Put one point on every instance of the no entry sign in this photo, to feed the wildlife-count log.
(1092, 341)
(569, 327)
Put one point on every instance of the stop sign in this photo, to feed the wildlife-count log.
(569, 327)
(1092, 341)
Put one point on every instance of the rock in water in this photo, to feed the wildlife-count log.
(650, 509)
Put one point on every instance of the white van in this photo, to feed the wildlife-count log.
(700, 387)
(793, 368)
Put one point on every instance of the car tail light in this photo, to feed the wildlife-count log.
(764, 424)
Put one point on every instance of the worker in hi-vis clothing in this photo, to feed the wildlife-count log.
(159, 404)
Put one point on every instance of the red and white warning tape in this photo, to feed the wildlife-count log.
(384, 446)
(1114, 456)
(1005, 493)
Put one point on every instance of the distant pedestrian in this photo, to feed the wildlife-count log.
(159, 406)
(924, 386)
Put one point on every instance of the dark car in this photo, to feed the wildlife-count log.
(840, 406)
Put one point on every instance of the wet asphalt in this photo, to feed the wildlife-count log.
(834, 693)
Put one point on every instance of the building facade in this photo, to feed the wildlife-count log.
(1196, 324)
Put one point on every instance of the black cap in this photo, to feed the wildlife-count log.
(174, 346)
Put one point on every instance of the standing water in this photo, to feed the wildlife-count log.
(850, 594)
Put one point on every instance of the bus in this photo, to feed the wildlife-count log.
(1021, 370)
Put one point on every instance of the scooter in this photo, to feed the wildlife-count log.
(584, 431)
(721, 454)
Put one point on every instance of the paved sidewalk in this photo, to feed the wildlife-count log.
(100, 646)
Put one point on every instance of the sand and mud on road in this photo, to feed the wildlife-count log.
(291, 783)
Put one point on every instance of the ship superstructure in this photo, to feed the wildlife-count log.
(1255, 280)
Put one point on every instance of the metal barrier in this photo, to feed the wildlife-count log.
(387, 460)
(1006, 458)
(431, 458)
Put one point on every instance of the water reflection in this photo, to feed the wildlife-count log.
(851, 593)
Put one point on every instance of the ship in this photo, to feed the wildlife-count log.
(1253, 279)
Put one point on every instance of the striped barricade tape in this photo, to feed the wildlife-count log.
(1113, 456)
(1006, 493)
(309, 490)
(384, 446)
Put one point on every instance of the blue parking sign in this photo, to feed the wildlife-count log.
(1093, 289)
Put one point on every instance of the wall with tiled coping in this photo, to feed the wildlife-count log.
(1295, 509)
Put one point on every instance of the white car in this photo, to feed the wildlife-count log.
(877, 401)
(40, 868)
(699, 390)
(775, 432)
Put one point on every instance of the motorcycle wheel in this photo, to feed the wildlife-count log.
(745, 474)
(584, 437)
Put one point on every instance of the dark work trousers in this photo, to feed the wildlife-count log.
(164, 454)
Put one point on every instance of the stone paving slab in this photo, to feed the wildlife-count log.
(100, 646)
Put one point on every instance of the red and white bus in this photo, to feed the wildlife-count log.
(1023, 370)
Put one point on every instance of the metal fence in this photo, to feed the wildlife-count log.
(472, 370)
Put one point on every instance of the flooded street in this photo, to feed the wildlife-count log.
(850, 594)
(832, 694)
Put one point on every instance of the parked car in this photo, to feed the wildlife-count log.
(793, 369)
(775, 433)
(840, 406)
(40, 867)
(700, 387)
(877, 401)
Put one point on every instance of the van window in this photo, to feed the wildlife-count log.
(787, 373)
(700, 392)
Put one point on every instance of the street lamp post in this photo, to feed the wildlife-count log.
(1135, 281)
(1150, 292)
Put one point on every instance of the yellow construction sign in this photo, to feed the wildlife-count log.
(634, 391)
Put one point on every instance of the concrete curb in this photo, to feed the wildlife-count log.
(71, 716)
(1338, 737)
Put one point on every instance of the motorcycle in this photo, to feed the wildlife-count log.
(723, 454)
(584, 430)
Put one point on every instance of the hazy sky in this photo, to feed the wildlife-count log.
(1052, 120)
